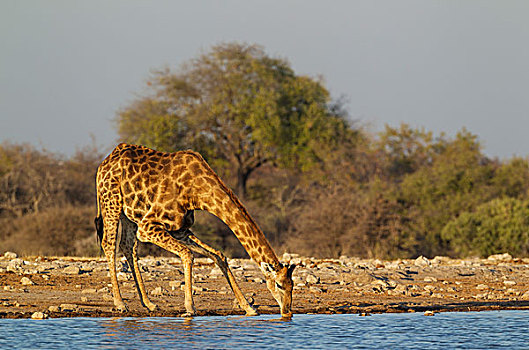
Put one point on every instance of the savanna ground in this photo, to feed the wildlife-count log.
(72, 287)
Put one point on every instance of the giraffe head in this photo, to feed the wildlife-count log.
(279, 282)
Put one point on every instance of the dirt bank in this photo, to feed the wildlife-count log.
(71, 287)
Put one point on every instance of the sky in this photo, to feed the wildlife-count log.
(67, 67)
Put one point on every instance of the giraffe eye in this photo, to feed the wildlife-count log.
(279, 286)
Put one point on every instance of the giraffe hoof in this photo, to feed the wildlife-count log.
(152, 307)
(121, 308)
(190, 311)
(252, 312)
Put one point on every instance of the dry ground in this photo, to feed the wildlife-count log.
(70, 287)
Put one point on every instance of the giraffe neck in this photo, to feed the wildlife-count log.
(226, 206)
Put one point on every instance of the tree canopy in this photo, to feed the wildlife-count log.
(501, 225)
(241, 109)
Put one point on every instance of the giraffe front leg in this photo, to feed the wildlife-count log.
(202, 248)
(187, 261)
(153, 233)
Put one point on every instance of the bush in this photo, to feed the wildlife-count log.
(349, 221)
(33, 180)
(459, 179)
(404, 195)
(57, 231)
(501, 225)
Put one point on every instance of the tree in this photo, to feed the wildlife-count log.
(406, 149)
(498, 226)
(28, 179)
(240, 108)
(459, 179)
(512, 178)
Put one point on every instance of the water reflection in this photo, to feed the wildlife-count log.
(127, 326)
(189, 330)
(151, 329)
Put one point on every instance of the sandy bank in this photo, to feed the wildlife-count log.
(70, 287)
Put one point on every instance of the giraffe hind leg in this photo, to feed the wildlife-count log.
(129, 247)
(108, 244)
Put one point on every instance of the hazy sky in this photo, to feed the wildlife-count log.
(66, 67)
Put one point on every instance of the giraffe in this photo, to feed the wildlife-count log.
(153, 195)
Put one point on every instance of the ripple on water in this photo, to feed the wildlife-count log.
(490, 329)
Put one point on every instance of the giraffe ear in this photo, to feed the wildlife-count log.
(267, 269)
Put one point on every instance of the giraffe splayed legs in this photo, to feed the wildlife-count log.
(153, 195)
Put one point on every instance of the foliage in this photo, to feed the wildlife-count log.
(64, 230)
(336, 220)
(355, 202)
(240, 108)
(319, 185)
(47, 202)
(406, 150)
(501, 225)
(31, 180)
(28, 179)
(458, 179)
(511, 179)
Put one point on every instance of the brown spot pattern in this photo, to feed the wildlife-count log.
(159, 190)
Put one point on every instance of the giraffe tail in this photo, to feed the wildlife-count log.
(99, 223)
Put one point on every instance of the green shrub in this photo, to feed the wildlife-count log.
(501, 225)
(458, 180)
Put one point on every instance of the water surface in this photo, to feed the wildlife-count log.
(465, 330)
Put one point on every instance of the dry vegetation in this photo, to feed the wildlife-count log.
(318, 184)
(372, 202)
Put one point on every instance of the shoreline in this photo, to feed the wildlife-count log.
(79, 287)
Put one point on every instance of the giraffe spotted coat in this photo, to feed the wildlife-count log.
(154, 194)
